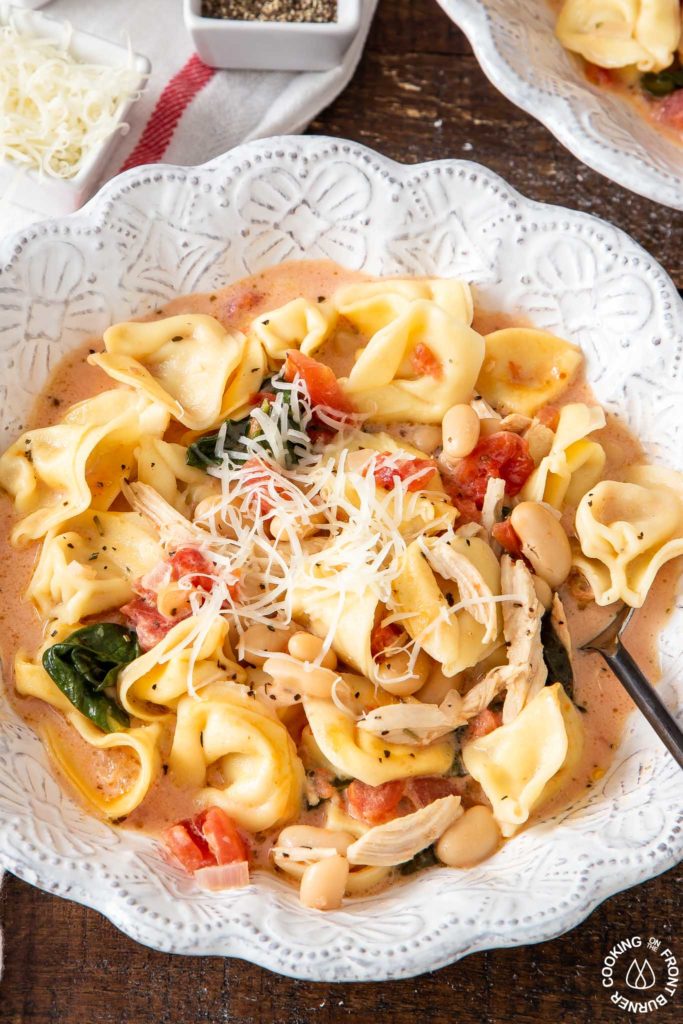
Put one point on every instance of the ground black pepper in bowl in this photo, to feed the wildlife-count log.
(271, 10)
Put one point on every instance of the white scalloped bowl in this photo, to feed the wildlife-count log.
(516, 46)
(157, 232)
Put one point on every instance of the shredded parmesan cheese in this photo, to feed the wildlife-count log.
(55, 110)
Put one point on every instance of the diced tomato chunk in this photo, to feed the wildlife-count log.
(206, 840)
(188, 846)
(321, 383)
(483, 723)
(149, 624)
(469, 513)
(388, 469)
(222, 836)
(383, 638)
(428, 788)
(599, 76)
(374, 804)
(549, 416)
(502, 455)
(669, 111)
(191, 562)
(424, 362)
(507, 537)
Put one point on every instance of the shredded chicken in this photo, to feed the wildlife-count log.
(540, 439)
(457, 567)
(415, 723)
(174, 529)
(525, 673)
(515, 423)
(398, 840)
(558, 617)
(491, 512)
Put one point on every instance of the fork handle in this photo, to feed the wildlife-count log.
(647, 700)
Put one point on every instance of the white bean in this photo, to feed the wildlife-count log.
(323, 883)
(391, 671)
(543, 540)
(296, 677)
(260, 637)
(311, 836)
(460, 431)
(470, 839)
(306, 647)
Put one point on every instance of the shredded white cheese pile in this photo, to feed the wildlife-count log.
(54, 110)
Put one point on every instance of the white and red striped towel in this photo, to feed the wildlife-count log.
(190, 113)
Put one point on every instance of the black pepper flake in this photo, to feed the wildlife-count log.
(53, 633)
(387, 753)
(450, 600)
(297, 696)
(321, 298)
(177, 337)
(69, 545)
(201, 738)
(266, 322)
(271, 10)
(164, 769)
(384, 732)
(95, 555)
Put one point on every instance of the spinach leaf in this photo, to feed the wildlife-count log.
(457, 768)
(87, 663)
(556, 657)
(424, 859)
(663, 83)
(202, 453)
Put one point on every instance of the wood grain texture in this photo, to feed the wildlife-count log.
(418, 94)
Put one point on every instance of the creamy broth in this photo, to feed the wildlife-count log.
(597, 692)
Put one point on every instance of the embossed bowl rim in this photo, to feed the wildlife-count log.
(580, 116)
(561, 268)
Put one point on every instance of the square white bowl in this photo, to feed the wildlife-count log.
(273, 45)
(64, 195)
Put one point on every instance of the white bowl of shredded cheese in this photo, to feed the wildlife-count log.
(64, 97)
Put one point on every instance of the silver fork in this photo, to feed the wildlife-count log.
(645, 697)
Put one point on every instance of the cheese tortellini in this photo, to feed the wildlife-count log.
(298, 324)
(151, 686)
(372, 305)
(617, 33)
(55, 473)
(417, 367)
(182, 362)
(518, 765)
(428, 600)
(627, 530)
(163, 466)
(137, 761)
(91, 565)
(574, 463)
(355, 753)
(524, 369)
(238, 755)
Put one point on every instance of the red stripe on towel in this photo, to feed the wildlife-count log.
(171, 105)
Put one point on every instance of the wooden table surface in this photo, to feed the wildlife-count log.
(418, 94)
